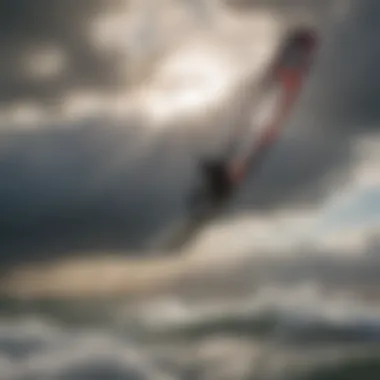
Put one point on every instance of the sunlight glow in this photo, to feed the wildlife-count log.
(187, 83)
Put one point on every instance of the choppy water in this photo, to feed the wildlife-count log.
(278, 333)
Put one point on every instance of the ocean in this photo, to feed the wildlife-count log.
(301, 318)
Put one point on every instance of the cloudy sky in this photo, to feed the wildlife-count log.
(99, 144)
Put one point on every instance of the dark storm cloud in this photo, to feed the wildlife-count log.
(76, 188)
(28, 25)
(79, 188)
(279, 5)
(349, 90)
(339, 106)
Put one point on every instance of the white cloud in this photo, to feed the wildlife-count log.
(344, 222)
(46, 62)
(350, 216)
(22, 115)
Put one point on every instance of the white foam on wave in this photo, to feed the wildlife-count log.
(32, 348)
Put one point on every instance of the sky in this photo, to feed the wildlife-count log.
(99, 144)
